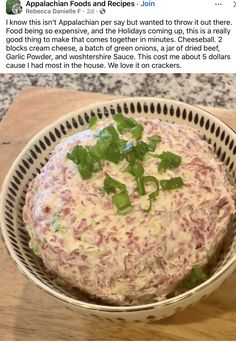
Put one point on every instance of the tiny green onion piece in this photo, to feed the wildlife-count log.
(135, 169)
(95, 152)
(153, 155)
(152, 142)
(122, 143)
(122, 202)
(168, 161)
(85, 171)
(92, 122)
(111, 184)
(173, 183)
(150, 205)
(151, 145)
(152, 179)
(74, 155)
(128, 151)
(110, 132)
(141, 149)
(195, 278)
(153, 195)
(156, 138)
(140, 186)
(128, 169)
(127, 148)
(137, 131)
(97, 165)
(81, 157)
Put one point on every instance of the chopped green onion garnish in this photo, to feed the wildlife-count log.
(152, 179)
(140, 186)
(97, 165)
(168, 161)
(92, 122)
(150, 205)
(74, 155)
(153, 195)
(129, 152)
(141, 148)
(122, 202)
(128, 169)
(132, 152)
(110, 132)
(156, 138)
(111, 184)
(128, 147)
(195, 278)
(112, 153)
(122, 143)
(173, 183)
(85, 171)
(124, 123)
(108, 146)
(82, 158)
(137, 132)
(135, 169)
(152, 142)
(111, 147)
(95, 152)
(153, 155)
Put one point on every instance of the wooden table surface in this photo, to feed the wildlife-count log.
(26, 313)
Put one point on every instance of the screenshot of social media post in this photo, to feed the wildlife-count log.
(109, 36)
(118, 170)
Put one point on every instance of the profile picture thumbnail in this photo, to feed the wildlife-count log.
(13, 7)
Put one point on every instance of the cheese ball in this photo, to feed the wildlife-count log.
(141, 256)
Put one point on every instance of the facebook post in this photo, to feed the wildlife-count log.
(111, 36)
(118, 170)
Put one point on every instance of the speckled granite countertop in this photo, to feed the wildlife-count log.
(218, 90)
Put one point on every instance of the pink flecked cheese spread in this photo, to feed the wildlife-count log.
(138, 257)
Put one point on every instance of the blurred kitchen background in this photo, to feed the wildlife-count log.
(217, 90)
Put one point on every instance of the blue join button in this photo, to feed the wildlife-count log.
(148, 3)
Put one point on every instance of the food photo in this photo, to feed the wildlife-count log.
(120, 208)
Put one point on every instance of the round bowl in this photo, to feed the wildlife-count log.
(36, 154)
